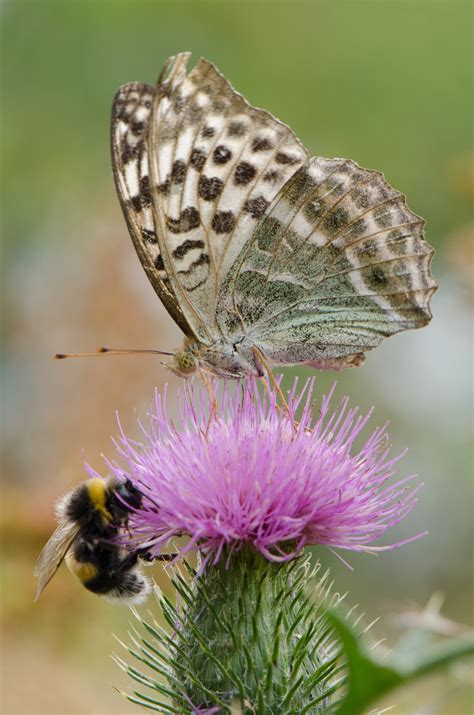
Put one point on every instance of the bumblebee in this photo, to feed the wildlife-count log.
(90, 517)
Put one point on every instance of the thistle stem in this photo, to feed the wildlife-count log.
(247, 633)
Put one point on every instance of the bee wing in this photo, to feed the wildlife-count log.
(53, 554)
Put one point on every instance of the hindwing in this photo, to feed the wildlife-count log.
(338, 263)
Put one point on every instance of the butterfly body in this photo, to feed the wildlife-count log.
(221, 359)
(259, 252)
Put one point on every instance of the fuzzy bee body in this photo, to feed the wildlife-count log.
(90, 517)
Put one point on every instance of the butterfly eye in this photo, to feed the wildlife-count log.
(185, 363)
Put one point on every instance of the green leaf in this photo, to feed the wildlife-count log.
(368, 680)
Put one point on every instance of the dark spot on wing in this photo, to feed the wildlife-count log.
(261, 144)
(137, 127)
(159, 263)
(223, 222)
(236, 129)
(149, 236)
(282, 158)
(378, 276)
(188, 220)
(202, 260)
(221, 154)
(198, 159)
(209, 188)
(244, 173)
(271, 176)
(130, 152)
(145, 191)
(136, 203)
(256, 207)
(187, 246)
(178, 172)
(164, 188)
(208, 132)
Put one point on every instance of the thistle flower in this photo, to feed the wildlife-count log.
(250, 484)
(240, 470)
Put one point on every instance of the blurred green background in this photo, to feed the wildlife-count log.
(388, 84)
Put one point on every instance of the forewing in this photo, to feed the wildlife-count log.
(338, 263)
(129, 129)
(216, 163)
(53, 554)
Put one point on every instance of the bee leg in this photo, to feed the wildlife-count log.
(164, 557)
(145, 555)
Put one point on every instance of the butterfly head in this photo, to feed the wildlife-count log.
(185, 361)
(220, 359)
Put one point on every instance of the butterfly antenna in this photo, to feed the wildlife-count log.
(111, 351)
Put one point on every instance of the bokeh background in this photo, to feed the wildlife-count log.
(387, 84)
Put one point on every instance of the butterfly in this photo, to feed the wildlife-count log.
(261, 254)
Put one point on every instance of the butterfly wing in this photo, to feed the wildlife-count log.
(215, 164)
(315, 260)
(53, 554)
(129, 130)
(338, 263)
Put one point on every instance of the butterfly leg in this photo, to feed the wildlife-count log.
(207, 384)
(261, 361)
(191, 404)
